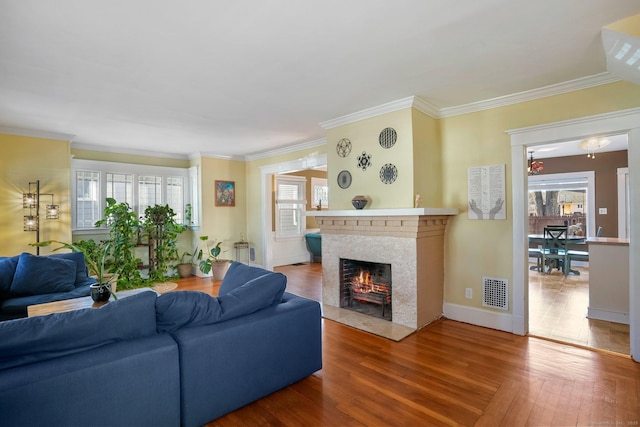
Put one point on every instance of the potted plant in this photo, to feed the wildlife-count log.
(95, 256)
(162, 229)
(184, 267)
(212, 263)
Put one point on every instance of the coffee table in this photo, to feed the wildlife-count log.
(76, 303)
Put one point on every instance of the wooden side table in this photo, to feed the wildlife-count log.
(75, 304)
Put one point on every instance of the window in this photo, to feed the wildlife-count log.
(290, 206)
(138, 185)
(87, 201)
(320, 192)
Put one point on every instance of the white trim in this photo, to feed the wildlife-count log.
(285, 150)
(36, 133)
(477, 316)
(625, 121)
(590, 176)
(623, 202)
(609, 316)
(529, 95)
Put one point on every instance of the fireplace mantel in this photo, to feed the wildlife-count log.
(386, 212)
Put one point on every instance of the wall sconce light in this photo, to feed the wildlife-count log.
(31, 201)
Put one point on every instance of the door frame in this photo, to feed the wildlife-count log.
(619, 122)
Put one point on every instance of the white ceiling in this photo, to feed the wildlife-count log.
(239, 77)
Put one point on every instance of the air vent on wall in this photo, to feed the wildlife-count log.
(495, 293)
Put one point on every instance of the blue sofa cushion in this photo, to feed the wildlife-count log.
(238, 274)
(81, 266)
(37, 275)
(33, 339)
(18, 305)
(176, 310)
(7, 270)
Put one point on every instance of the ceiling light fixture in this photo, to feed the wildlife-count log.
(593, 144)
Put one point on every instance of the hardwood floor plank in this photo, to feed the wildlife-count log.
(448, 373)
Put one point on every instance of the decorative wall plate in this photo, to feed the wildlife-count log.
(364, 161)
(343, 147)
(388, 137)
(344, 179)
(388, 173)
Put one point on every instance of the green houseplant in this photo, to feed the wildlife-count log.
(123, 228)
(211, 262)
(160, 226)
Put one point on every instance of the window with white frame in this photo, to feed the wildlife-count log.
(138, 185)
(290, 205)
(320, 192)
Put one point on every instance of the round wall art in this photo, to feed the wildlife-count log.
(388, 137)
(343, 147)
(388, 173)
(344, 179)
(364, 161)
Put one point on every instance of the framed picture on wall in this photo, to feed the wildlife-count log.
(225, 193)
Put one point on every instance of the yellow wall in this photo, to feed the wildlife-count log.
(427, 164)
(129, 158)
(24, 160)
(223, 223)
(484, 248)
(364, 136)
(630, 25)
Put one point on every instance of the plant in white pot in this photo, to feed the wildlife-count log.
(212, 263)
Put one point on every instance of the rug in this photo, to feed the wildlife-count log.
(164, 287)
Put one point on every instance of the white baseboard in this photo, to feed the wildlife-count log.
(609, 316)
(479, 317)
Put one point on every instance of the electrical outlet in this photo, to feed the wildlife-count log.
(468, 293)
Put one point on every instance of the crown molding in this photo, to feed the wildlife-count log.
(37, 133)
(212, 155)
(389, 107)
(289, 149)
(131, 151)
(530, 95)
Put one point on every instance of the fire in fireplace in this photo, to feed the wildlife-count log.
(365, 287)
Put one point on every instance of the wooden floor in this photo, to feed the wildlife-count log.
(448, 373)
(558, 310)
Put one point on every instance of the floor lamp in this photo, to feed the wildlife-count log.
(31, 201)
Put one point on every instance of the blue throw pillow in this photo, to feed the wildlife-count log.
(238, 274)
(7, 270)
(37, 275)
(81, 265)
(175, 310)
(38, 338)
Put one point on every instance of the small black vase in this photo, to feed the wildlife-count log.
(100, 293)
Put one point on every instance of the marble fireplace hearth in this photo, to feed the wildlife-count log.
(411, 240)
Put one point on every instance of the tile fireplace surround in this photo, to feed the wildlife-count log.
(411, 240)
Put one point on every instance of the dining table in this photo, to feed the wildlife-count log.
(539, 240)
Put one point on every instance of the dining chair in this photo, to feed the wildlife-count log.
(554, 249)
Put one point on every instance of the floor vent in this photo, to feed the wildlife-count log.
(495, 293)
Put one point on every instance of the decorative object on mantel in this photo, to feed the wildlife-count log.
(535, 166)
(593, 144)
(343, 147)
(388, 173)
(344, 179)
(364, 161)
(388, 137)
(359, 202)
(418, 201)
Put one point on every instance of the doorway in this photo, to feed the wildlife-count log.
(619, 122)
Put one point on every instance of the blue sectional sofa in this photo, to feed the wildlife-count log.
(181, 358)
(27, 279)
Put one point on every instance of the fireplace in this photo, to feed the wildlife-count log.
(409, 242)
(365, 287)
